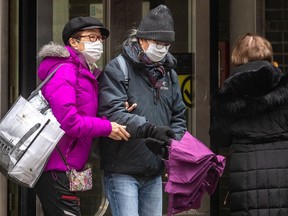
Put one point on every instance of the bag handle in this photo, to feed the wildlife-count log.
(35, 92)
(15, 152)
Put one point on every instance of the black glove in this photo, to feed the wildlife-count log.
(160, 133)
(157, 147)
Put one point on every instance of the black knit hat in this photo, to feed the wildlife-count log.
(157, 25)
(78, 23)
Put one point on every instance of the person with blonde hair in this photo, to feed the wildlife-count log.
(251, 48)
(249, 114)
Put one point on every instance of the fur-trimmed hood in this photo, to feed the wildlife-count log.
(53, 50)
(53, 54)
(252, 88)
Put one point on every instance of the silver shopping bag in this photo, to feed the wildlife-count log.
(28, 134)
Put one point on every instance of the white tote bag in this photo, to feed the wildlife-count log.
(28, 134)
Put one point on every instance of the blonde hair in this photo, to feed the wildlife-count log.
(250, 48)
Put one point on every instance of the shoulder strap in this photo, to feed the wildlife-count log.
(63, 158)
(123, 66)
(35, 92)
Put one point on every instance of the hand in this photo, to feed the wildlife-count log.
(131, 108)
(157, 147)
(119, 132)
(161, 133)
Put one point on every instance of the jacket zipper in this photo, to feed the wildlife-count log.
(226, 197)
(156, 94)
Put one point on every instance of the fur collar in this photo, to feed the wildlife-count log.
(254, 87)
(53, 50)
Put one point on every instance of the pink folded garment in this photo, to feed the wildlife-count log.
(193, 169)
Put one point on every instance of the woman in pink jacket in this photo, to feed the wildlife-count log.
(72, 94)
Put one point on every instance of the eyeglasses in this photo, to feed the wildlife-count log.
(93, 37)
(160, 45)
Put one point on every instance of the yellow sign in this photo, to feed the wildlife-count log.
(186, 89)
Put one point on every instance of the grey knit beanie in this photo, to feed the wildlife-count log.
(157, 25)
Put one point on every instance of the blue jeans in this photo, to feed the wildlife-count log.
(133, 196)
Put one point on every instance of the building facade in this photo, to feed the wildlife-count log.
(205, 31)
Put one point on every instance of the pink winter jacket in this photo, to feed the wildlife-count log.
(73, 96)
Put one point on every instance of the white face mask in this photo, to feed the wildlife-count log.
(156, 54)
(93, 51)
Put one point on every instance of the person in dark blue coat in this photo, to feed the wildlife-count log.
(250, 114)
(132, 170)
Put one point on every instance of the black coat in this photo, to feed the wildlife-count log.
(251, 115)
